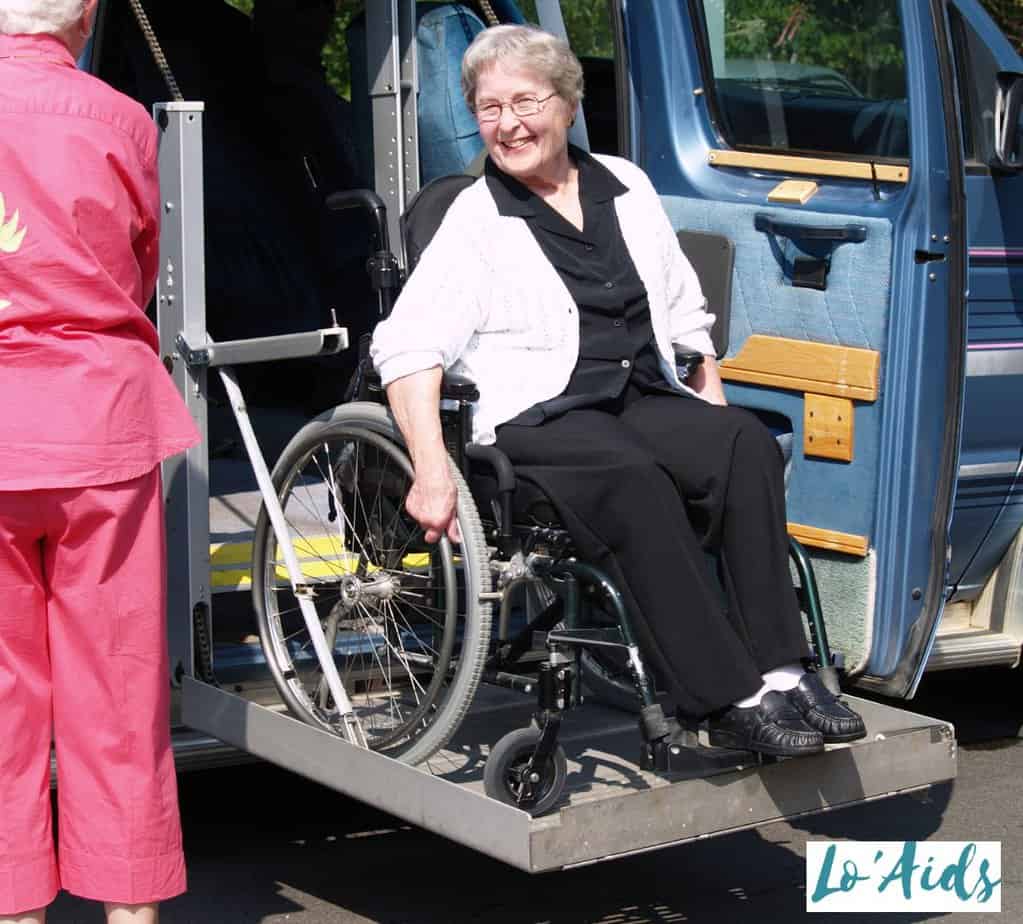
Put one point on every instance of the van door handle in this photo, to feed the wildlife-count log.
(853, 234)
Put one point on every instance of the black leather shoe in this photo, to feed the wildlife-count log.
(821, 709)
(773, 727)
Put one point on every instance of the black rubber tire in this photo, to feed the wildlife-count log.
(512, 751)
(370, 424)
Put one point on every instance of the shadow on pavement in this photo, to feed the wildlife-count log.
(266, 846)
(984, 704)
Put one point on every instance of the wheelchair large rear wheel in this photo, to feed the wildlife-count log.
(403, 618)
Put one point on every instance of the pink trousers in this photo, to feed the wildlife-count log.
(83, 660)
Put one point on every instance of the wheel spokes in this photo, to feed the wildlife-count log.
(392, 639)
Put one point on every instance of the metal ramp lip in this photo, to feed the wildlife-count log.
(620, 811)
(739, 828)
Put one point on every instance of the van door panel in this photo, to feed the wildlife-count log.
(882, 607)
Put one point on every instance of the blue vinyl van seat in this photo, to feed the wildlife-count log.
(448, 137)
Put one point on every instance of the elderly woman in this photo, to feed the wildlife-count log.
(556, 283)
(88, 414)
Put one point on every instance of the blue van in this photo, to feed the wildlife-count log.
(896, 358)
(864, 159)
(863, 163)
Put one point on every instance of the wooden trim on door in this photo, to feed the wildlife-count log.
(830, 539)
(813, 166)
(801, 365)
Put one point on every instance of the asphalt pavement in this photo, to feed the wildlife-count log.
(266, 846)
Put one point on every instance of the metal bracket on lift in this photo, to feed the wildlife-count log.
(324, 342)
(192, 358)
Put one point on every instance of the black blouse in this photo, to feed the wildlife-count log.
(616, 344)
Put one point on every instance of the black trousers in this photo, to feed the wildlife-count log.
(646, 486)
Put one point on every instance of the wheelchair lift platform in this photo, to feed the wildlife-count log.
(611, 807)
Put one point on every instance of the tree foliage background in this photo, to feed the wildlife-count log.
(1009, 16)
(867, 52)
(857, 39)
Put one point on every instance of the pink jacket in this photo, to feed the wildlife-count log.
(84, 398)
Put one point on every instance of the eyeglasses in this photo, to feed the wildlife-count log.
(520, 106)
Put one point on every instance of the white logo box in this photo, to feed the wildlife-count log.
(931, 876)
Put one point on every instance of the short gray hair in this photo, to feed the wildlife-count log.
(34, 17)
(526, 47)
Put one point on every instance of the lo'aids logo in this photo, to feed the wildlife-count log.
(865, 876)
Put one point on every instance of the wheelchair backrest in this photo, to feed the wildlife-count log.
(426, 211)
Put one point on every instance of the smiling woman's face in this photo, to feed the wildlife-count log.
(529, 148)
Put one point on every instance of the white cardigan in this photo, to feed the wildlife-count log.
(485, 303)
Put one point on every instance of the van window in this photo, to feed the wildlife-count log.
(588, 24)
(976, 74)
(807, 77)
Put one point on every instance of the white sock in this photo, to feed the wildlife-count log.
(750, 701)
(784, 678)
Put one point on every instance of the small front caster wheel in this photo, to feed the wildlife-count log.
(507, 779)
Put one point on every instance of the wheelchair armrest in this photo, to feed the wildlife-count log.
(498, 461)
(371, 379)
(687, 362)
(459, 388)
(502, 467)
(452, 386)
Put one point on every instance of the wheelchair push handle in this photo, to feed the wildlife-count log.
(373, 205)
(382, 265)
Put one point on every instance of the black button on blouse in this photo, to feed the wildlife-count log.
(616, 343)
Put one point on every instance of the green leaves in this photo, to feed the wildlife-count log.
(1009, 16)
(859, 39)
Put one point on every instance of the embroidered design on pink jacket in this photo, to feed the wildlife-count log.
(10, 237)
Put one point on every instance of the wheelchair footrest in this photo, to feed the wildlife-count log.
(681, 755)
(653, 724)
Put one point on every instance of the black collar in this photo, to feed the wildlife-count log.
(596, 183)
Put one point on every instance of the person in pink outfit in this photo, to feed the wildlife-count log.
(88, 414)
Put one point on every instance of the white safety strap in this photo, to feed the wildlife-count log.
(548, 12)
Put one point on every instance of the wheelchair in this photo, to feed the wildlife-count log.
(415, 628)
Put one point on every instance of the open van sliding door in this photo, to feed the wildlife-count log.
(847, 316)
(989, 511)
